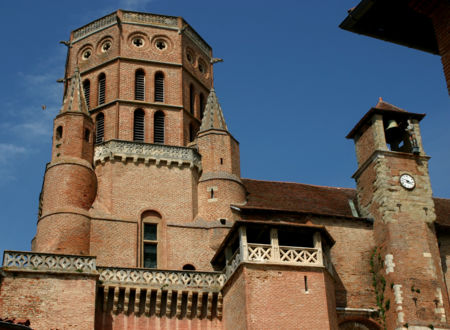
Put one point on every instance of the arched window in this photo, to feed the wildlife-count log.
(87, 92)
(191, 98)
(202, 105)
(139, 85)
(158, 127)
(59, 132)
(99, 128)
(138, 127)
(159, 87)
(188, 267)
(101, 88)
(151, 240)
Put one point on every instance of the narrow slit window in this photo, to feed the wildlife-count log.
(202, 105)
(59, 132)
(158, 127)
(211, 196)
(139, 125)
(150, 240)
(191, 133)
(139, 85)
(100, 128)
(159, 87)
(101, 88)
(87, 135)
(306, 283)
(191, 99)
(87, 92)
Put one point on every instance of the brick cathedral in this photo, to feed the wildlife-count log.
(146, 223)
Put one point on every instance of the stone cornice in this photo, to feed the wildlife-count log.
(138, 151)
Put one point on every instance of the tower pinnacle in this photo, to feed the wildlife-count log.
(75, 100)
(213, 118)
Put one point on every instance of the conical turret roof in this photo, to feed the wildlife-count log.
(213, 116)
(75, 100)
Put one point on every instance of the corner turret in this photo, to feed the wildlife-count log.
(220, 184)
(70, 184)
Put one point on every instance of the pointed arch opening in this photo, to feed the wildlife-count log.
(159, 87)
(87, 92)
(202, 105)
(101, 88)
(139, 126)
(158, 127)
(99, 128)
(191, 98)
(139, 85)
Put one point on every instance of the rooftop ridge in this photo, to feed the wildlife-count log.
(300, 183)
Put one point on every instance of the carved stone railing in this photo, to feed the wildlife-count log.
(232, 264)
(259, 252)
(151, 19)
(301, 256)
(211, 281)
(30, 261)
(135, 151)
(94, 26)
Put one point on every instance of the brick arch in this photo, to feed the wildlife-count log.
(358, 323)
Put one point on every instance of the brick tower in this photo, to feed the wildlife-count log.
(393, 188)
(220, 184)
(70, 183)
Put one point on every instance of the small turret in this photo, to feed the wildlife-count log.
(70, 184)
(220, 185)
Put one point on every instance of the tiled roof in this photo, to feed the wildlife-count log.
(298, 197)
(304, 198)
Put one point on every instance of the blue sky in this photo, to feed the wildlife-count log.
(292, 85)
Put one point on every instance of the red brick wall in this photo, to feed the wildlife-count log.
(59, 301)
(235, 311)
(269, 306)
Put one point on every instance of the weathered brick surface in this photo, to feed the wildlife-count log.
(59, 301)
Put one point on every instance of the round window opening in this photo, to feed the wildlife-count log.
(106, 46)
(161, 44)
(86, 54)
(201, 68)
(138, 42)
(189, 57)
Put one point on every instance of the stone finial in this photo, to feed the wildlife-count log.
(75, 101)
(213, 116)
(383, 105)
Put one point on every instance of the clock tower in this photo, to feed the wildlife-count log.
(393, 188)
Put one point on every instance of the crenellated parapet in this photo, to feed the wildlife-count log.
(147, 152)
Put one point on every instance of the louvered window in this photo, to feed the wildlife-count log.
(87, 92)
(99, 128)
(159, 87)
(138, 129)
(158, 128)
(191, 99)
(202, 105)
(101, 88)
(139, 85)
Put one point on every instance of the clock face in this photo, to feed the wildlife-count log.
(407, 181)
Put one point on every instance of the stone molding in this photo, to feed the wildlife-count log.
(31, 261)
(150, 19)
(173, 279)
(206, 176)
(139, 151)
(95, 26)
(196, 39)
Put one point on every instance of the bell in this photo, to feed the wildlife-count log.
(393, 133)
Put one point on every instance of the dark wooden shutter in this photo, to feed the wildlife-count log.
(100, 128)
(139, 85)
(87, 92)
(158, 128)
(159, 87)
(138, 130)
(101, 88)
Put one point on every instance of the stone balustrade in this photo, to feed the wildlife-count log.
(30, 261)
(138, 151)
